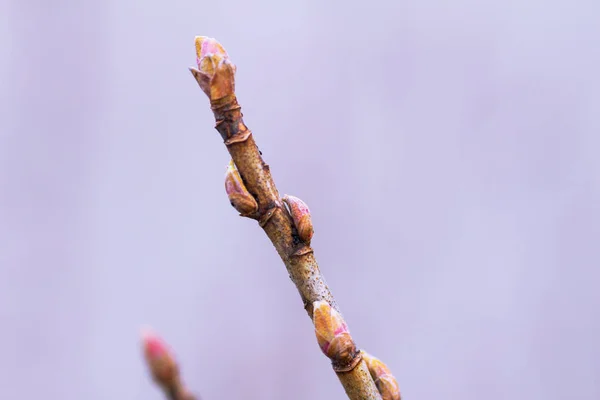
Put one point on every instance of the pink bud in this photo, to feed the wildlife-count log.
(333, 337)
(206, 45)
(301, 217)
(239, 197)
(161, 362)
(384, 380)
(215, 73)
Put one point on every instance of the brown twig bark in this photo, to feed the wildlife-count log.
(216, 77)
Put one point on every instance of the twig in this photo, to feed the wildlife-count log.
(164, 368)
(253, 193)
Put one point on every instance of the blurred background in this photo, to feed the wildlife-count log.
(448, 152)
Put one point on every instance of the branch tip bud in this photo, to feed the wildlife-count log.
(215, 73)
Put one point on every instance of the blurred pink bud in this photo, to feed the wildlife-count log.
(161, 362)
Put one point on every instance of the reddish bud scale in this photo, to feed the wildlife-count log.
(384, 380)
(238, 195)
(301, 216)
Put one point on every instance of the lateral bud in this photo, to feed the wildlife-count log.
(239, 197)
(333, 337)
(384, 380)
(301, 217)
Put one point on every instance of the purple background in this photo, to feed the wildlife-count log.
(448, 151)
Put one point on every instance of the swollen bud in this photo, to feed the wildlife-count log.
(333, 337)
(301, 217)
(215, 73)
(239, 197)
(161, 362)
(205, 45)
(384, 380)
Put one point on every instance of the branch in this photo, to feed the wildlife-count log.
(164, 368)
(253, 193)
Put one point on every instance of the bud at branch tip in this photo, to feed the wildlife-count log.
(216, 72)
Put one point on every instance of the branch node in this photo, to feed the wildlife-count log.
(304, 249)
(267, 216)
(225, 104)
(238, 137)
(347, 366)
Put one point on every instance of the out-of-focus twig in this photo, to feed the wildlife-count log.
(164, 368)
